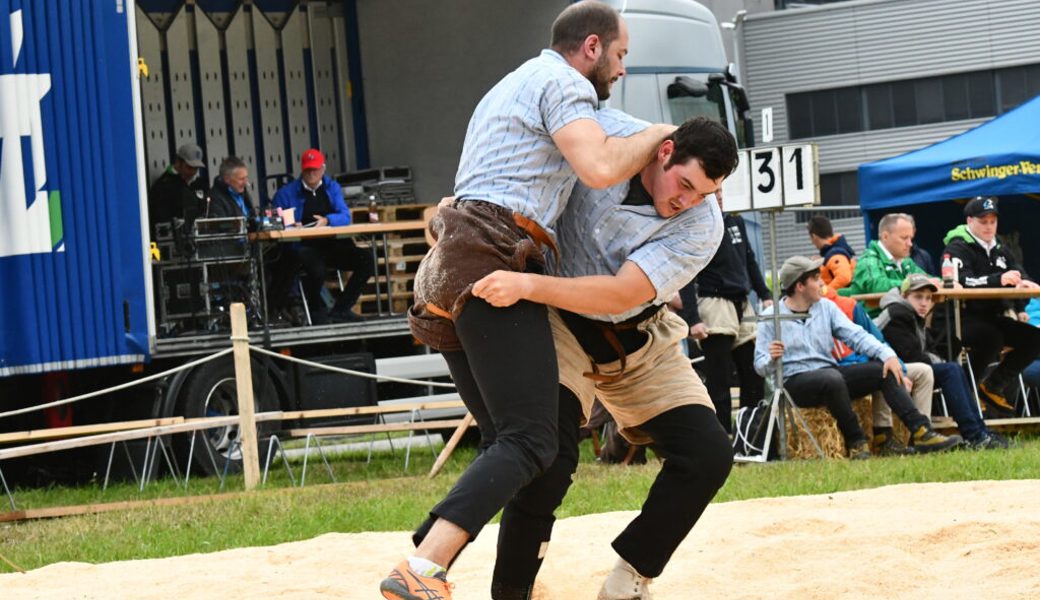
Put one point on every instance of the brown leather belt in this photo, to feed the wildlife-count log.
(612, 339)
(537, 234)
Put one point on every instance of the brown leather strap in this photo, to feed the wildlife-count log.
(611, 337)
(440, 312)
(537, 234)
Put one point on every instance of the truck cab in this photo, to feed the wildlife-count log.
(677, 67)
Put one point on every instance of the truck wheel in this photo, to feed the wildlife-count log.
(210, 391)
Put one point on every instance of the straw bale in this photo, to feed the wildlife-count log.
(824, 428)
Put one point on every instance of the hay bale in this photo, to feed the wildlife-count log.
(900, 432)
(825, 429)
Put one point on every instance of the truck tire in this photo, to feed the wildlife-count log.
(210, 391)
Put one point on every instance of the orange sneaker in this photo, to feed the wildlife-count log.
(405, 584)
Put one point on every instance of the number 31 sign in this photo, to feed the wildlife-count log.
(772, 178)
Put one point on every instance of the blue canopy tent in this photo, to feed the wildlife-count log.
(1000, 158)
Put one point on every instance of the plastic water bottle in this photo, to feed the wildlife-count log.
(373, 209)
(948, 271)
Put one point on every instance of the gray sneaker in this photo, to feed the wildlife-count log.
(625, 583)
(989, 440)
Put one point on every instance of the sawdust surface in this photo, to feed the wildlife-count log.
(978, 539)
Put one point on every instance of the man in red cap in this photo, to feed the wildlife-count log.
(317, 201)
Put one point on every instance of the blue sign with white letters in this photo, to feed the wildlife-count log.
(72, 259)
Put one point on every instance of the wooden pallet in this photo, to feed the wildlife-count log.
(389, 213)
(404, 252)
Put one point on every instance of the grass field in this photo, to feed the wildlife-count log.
(377, 497)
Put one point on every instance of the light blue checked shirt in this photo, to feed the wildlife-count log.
(808, 342)
(508, 157)
(597, 233)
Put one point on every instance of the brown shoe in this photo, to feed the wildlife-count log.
(405, 584)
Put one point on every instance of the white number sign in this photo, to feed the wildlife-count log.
(766, 187)
(800, 175)
(736, 189)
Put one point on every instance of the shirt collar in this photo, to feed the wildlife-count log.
(637, 194)
(550, 53)
(309, 188)
(987, 246)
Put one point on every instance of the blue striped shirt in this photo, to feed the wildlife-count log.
(597, 233)
(808, 342)
(508, 157)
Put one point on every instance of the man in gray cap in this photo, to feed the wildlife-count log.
(983, 262)
(811, 375)
(179, 193)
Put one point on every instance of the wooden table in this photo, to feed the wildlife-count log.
(296, 234)
(964, 294)
(959, 295)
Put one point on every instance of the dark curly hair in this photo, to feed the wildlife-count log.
(707, 141)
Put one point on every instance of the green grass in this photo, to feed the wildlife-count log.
(377, 497)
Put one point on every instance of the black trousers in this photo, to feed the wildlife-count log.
(985, 336)
(315, 257)
(834, 387)
(720, 358)
(697, 460)
(507, 377)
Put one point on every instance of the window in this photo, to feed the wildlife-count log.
(982, 94)
(879, 106)
(799, 116)
(711, 105)
(850, 110)
(928, 100)
(825, 114)
(1032, 81)
(904, 108)
(1012, 88)
(956, 97)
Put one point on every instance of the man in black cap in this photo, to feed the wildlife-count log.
(983, 262)
(179, 193)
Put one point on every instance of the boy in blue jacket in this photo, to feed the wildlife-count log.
(902, 322)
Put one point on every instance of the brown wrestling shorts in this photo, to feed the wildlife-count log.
(474, 238)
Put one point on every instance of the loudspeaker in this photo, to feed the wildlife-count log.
(319, 388)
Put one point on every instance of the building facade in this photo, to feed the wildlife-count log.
(871, 79)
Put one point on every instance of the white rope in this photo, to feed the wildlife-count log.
(350, 371)
(116, 388)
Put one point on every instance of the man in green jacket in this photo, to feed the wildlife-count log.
(885, 263)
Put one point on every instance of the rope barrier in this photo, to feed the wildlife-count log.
(351, 371)
(116, 388)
